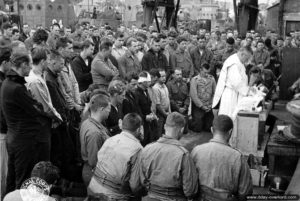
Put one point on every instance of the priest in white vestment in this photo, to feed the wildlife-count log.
(233, 83)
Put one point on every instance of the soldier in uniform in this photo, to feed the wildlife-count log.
(229, 175)
(227, 52)
(181, 59)
(166, 168)
(178, 91)
(201, 55)
(202, 90)
(261, 56)
(116, 175)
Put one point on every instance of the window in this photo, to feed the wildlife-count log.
(29, 7)
(38, 7)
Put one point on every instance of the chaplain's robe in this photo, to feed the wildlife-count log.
(232, 86)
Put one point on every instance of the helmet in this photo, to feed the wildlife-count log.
(278, 185)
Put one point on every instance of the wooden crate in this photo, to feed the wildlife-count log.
(250, 132)
(284, 153)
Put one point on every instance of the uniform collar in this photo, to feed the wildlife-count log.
(129, 54)
(179, 52)
(13, 75)
(169, 140)
(129, 135)
(219, 142)
(160, 85)
(96, 123)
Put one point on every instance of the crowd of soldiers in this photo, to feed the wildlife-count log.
(108, 108)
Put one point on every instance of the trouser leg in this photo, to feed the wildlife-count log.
(197, 119)
(208, 121)
(24, 159)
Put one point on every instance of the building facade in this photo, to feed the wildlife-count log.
(42, 12)
(291, 17)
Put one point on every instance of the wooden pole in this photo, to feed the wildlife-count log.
(174, 18)
(18, 11)
(156, 20)
(236, 16)
(280, 17)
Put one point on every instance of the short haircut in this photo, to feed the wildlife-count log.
(97, 91)
(131, 76)
(172, 34)
(129, 41)
(15, 31)
(176, 69)
(201, 37)
(230, 41)
(116, 87)
(142, 35)
(97, 101)
(249, 37)
(105, 45)
(18, 57)
(255, 70)
(38, 54)
(222, 123)
(131, 122)
(162, 36)
(205, 66)
(261, 41)
(246, 49)
(54, 56)
(156, 40)
(40, 36)
(62, 42)
(175, 119)
(154, 72)
(47, 171)
(268, 42)
(86, 44)
(218, 33)
(161, 70)
(5, 50)
(218, 66)
(6, 26)
(181, 39)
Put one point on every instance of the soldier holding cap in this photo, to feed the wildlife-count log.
(167, 170)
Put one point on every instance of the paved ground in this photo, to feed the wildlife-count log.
(192, 139)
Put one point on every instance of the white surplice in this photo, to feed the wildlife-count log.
(231, 87)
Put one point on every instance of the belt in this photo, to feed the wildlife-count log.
(213, 194)
(170, 192)
(111, 183)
